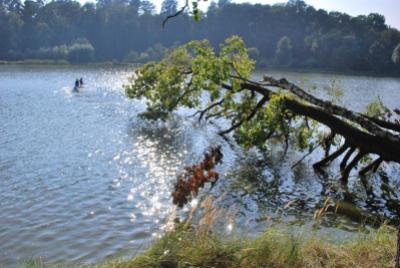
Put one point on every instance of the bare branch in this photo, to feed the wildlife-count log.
(176, 14)
(248, 118)
(207, 109)
(221, 113)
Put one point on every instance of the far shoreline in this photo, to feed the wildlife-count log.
(66, 63)
(262, 68)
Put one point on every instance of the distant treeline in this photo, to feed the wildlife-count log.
(292, 35)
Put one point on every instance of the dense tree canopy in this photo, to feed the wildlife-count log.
(291, 35)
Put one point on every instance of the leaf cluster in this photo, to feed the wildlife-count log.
(180, 79)
(194, 177)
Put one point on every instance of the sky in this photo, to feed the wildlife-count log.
(389, 8)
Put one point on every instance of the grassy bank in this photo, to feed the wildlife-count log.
(274, 248)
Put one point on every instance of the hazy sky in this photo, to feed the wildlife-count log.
(389, 8)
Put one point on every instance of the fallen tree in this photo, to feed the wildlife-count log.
(218, 85)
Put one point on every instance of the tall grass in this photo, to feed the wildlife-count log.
(189, 246)
(186, 247)
(195, 244)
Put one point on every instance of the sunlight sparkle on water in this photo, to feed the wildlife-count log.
(194, 203)
(151, 194)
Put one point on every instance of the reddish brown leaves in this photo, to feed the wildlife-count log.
(194, 177)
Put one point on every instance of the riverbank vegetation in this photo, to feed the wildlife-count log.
(292, 35)
(205, 239)
(187, 247)
(273, 248)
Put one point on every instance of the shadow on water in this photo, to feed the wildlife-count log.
(167, 137)
(266, 186)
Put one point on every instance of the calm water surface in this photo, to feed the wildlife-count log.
(82, 178)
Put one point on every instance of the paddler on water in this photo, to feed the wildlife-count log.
(81, 81)
(76, 85)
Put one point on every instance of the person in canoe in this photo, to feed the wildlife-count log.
(81, 82)
(76, 85)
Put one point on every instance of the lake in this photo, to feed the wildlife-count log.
(83, 178)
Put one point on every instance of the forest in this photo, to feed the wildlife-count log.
(293, 35)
